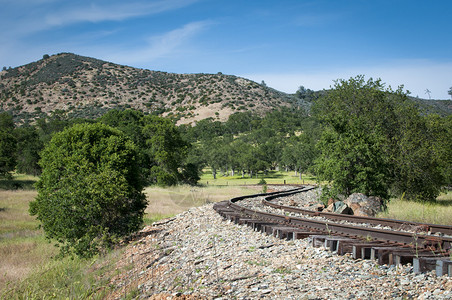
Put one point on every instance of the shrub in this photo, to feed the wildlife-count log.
(262, 181)
(90, 191)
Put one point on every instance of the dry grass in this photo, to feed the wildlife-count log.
(166, 202)
(436, 213)
(272, 177)
(23, 248)
(22, 245)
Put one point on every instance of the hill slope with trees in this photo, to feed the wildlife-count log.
(85, 87)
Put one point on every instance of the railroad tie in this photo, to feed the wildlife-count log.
(363, 250)
(383, 255)
(441, 265)
(318, 240)
(407, 257)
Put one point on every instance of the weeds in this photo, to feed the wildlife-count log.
(257, 263)
(439, 212)
(69, 278)
(282, 270)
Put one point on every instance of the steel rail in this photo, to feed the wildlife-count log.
(393, 223)
(368, 233)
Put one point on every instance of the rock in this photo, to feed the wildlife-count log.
(363, 205)
(211, 257)
(339, 207)
(331, 201)
(317, 207)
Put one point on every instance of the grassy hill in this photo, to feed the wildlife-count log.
(87, 87)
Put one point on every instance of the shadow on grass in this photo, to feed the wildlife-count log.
(14, 184)
(444, 202)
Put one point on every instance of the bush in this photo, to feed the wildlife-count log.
(262, 181)
(90, 190)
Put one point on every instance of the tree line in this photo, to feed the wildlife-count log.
(161, 150)
(359, 137)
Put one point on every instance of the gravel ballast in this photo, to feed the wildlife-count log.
(199, 255)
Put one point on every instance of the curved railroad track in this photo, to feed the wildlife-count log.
(347, 233)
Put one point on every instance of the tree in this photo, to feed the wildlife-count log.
(376, 142)
(303, 93)
(166, 150)
(357, 116)
(450, 92)
(128, 121)
(90, 190)
(28, 147)
(8, 145)
(421, 155)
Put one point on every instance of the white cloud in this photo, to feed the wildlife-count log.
(41, 15)
(161, 46)
(416, 76)
(111, 11)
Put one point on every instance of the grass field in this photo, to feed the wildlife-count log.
(27, 269)
(272, 177)
(436, 213)
(22, 245)
(166, 202)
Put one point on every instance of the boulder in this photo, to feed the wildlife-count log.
(363, 205)
(317, 207)
(339, 207)
(331, 201)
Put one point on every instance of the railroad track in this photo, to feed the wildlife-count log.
(346, 233)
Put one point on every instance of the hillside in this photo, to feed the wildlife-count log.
(86, 87)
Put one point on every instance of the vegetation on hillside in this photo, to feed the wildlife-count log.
(84, 87)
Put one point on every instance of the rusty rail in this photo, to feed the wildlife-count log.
(395, 224)
(388, 245)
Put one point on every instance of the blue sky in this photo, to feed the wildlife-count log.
(285, 43)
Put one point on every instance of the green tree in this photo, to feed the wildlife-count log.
(131, 123)
(128, 121)
(420, 155)
(90, 190)
(166, 149)
(357, 116)
(8, 145)
(28, 147)
(450, 92)
(299, 153)
(376, 142)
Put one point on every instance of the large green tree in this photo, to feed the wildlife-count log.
(352, 147)
(375, 141)
(90, 190)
